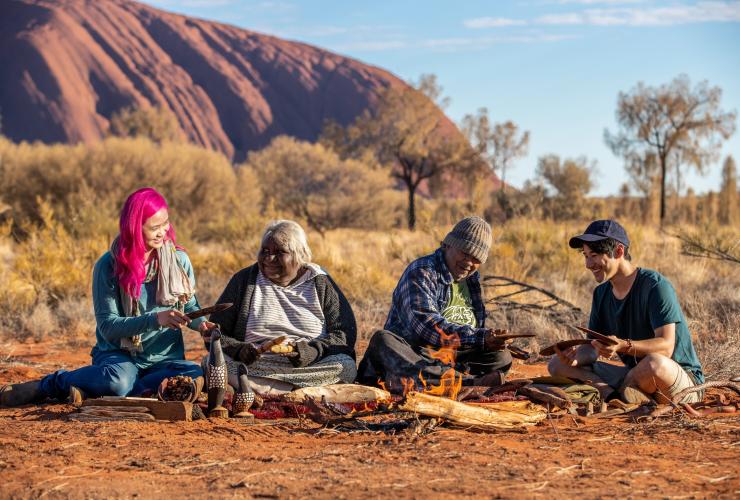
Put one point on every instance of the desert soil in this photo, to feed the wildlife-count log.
(44, 454)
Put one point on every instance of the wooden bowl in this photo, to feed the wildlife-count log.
(189, 392)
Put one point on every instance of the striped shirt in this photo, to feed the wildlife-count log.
(293, 310)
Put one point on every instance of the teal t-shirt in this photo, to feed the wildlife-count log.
(459, 309)
(650, 304)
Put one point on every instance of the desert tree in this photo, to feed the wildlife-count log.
(499, 144)
(312, 182)
(407, 132)
(567, 183)
(625, 206)
(675, 122)
(155, 123)
(728, 195)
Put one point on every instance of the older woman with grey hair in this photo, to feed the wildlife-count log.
(284, 294)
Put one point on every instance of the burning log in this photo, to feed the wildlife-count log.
(514, 415)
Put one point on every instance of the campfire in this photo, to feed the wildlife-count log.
(451, 380)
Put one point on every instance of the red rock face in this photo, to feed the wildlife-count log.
(68, 65)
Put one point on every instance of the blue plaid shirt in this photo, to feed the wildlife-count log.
(421, 294)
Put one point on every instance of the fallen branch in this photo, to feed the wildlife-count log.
(551, 304)
(695, 247)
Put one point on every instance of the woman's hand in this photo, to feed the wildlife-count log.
(247, 353)
(205, 329)
(172, 318)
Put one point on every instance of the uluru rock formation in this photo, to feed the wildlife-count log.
(69, 65)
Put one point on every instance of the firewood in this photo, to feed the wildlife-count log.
(162, 410)
(340, 393)
(125, 409)
(513, 415)
(111, 415)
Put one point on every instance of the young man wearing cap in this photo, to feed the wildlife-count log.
(639, 310)
(436, 321)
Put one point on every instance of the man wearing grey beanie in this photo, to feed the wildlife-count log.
(436, 321)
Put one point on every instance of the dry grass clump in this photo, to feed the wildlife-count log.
(200, 185)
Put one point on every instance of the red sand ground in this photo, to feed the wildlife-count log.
(46, 455)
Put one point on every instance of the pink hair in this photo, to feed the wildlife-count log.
(129, 254)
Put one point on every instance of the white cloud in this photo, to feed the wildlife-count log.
(702, 12)
(715, 11)
(492, 22)
(561, 19)
(370, 46)
(452, 44)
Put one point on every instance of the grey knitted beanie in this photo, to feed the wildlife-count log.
(472, 235)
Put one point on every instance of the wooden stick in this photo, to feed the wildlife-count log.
(615, 412)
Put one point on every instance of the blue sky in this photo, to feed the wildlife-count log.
(554, 67)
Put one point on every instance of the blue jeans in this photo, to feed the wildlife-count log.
(114, 373)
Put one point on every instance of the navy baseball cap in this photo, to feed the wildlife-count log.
(600, 230)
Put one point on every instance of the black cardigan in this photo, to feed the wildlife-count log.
(341, 329)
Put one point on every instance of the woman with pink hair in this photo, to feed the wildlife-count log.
(142, 288)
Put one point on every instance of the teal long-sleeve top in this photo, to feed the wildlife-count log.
(159, 344)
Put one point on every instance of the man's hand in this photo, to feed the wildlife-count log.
(568, 356)
(493, 343)
(172, 318)
(607, 351)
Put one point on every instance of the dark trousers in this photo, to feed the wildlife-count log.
(391, 359)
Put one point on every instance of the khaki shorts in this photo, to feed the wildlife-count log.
(614, 376)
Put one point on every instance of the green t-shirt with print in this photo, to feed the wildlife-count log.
(459, 309)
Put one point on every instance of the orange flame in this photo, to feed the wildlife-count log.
(381, 384)
(450, 382)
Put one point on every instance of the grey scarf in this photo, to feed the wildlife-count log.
(173, 288)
